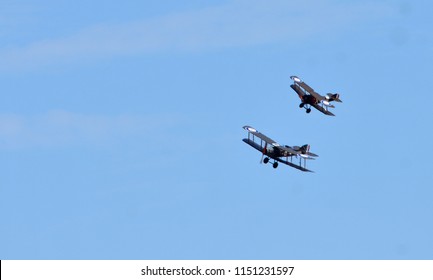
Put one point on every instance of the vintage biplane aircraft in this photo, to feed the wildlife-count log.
(278, 153)
(311, 98)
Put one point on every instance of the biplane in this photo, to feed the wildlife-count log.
(310, 98)
(278, 153)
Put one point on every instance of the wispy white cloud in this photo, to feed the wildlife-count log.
(237, 23)
(62, 128)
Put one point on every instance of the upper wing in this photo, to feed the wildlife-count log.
(307, 88)
(298, 90)
(323, 110)
(268, 140)
(265, 138)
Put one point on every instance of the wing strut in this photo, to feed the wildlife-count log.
(263, 151)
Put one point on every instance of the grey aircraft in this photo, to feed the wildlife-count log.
(278, 153)
(311, 98)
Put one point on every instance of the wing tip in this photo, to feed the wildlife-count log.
(249, 128)
(296, 79)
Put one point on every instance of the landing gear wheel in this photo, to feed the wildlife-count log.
(308, 110)
(266, 160)
(275, 165)
(301, 105)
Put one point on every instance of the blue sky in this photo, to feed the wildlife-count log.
(121, 128)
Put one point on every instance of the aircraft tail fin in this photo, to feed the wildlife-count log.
(305, 149)
(333, 97)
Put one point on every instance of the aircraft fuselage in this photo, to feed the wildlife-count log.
(268, 151)
(309, 99)
(305, 98)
